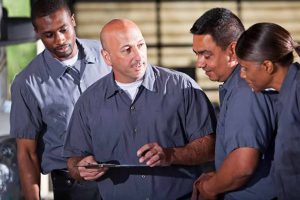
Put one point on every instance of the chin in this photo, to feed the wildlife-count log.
(213, 78)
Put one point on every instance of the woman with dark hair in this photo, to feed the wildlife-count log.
(265, 52)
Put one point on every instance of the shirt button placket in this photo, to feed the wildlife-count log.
(132, 108)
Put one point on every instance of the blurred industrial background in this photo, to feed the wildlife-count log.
(165, 25)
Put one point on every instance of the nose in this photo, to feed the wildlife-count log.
(200, 63)
(138, 54)
(59, 38)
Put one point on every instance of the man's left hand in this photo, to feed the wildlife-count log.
(154, 155)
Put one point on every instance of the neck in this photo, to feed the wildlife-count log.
(279, 77)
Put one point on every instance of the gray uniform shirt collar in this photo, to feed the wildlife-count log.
(228, 84)
(148, 82)
(57, 69)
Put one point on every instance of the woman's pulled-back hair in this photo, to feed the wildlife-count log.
(267, 41)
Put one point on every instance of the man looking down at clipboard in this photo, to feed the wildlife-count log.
(140, 117)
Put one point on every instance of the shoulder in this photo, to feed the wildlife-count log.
(297, 66)
(89, 43)
(243, 97)
(90, 46)
(97, 91)
(33, 72)
(174, 77)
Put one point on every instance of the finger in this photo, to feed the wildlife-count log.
(143, 150)
(93, 173)
(85, 172)
(147, 155)
(154, 161)
(95, 177)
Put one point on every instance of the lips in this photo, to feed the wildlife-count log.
(208, 73)
(62, 48)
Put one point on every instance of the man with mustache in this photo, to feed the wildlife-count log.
(246, 124)
(43, 97)
(153, 118)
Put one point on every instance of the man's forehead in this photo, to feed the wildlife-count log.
(54, 21)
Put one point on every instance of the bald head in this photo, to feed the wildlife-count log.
(113, 28)
(124, 49)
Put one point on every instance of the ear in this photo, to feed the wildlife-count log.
(37, 33)
(268, 66)
(73, 20)
(232, 59)
(106, 56)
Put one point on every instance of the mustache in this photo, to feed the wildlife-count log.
(138, 63)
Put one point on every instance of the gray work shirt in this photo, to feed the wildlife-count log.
(43, 98)
(169, 109)
(247, 119)
(287, 145)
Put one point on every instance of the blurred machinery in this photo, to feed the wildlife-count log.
(9, 179)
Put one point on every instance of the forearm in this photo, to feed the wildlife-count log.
(29, 173)
(196, 152)
(235, 171)
(221, 182)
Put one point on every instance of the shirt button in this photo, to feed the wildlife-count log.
(132, 108)
(143, 176)
(135, 130)
(147, 198)
(69, 182)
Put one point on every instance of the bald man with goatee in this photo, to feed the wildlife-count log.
(151, 127)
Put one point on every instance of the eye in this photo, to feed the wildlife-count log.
(207, 56)
(63, 30)
(48, 35)
(126, 50)
(140, 45)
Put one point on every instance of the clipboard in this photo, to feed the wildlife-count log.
(109, 165)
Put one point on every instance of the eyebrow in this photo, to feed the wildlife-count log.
(129, 45)
(202, 52)
(63, 26)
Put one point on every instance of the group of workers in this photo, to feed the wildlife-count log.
(107, 124)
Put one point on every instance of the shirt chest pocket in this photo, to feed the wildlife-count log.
(56, 120)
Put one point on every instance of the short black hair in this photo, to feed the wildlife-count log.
(223, 25)
(43, 8)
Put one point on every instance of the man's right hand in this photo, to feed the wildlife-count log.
(85, 173)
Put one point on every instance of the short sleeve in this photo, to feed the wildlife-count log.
(25, 115)
(200, 116)
(78, 141)
(248, 121)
